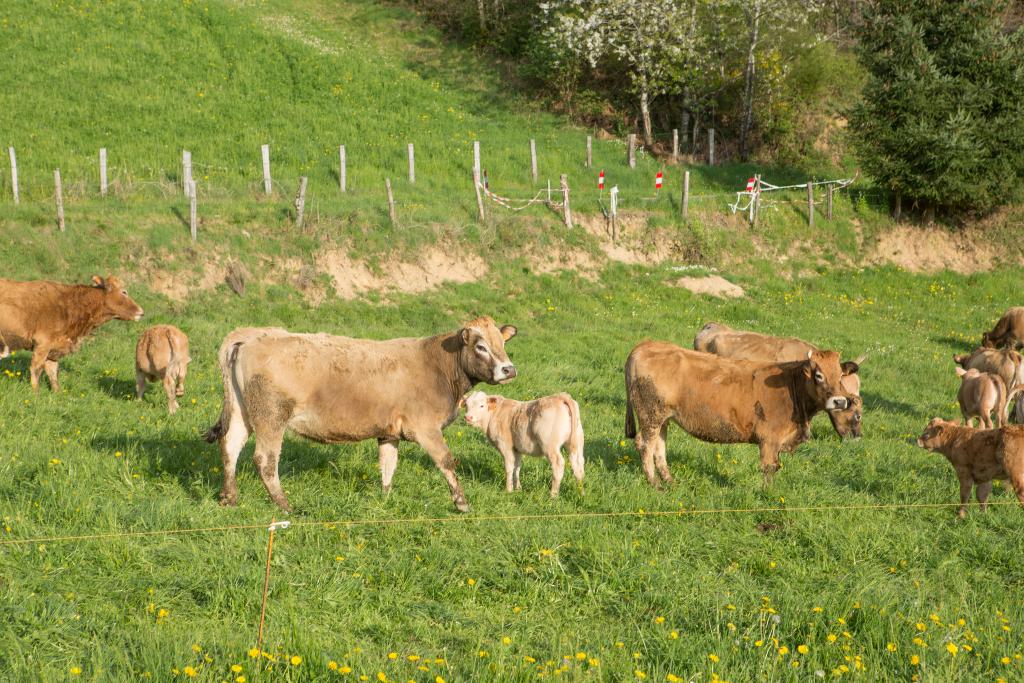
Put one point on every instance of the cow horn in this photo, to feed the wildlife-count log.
(859, 360)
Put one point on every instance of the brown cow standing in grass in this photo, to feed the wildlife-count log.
(726, 342)
(1006, 363)
(162, 354)
(725, 401)
(53, 319)
(1008, 332)
(978, 456)
(338, 389)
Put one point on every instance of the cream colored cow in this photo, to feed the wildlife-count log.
(162, 355)
(540, 427)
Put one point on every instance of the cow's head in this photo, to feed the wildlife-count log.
(988, 341)
(936, 434)
(483, 355)
(479, 407)
(823, 379)
(962, 359)
(847, 422)
(116, 299)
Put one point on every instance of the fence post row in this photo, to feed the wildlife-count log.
(193, 222)
(828, 203)
(590, 152)
(14, 173)
(711, 146)
(675, 145)
(412, 164)
(566, 211)
(103, 171)
(341, 168)
(479, 197)
(391, 202)
(533, 159)
(631, 153)
(267, 186)
(186, 171)
(686, 195)
(810, 204)
(59, 195)
(613, 209)
(300, 202)
(476, 158)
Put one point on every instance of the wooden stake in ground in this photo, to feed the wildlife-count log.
(412, 164)
(60, 199)
(613, 210)
(341, 168)
(590, 151)
(186, 170)
(103, 171)
(300, 202)
(566, 211)
(675, 145)
(533, 160)
(193, 220)
(14, 173)
(479, 197)
(267, 185)
(631, 151)
(828, 203)
(274, 525)
(755, 201)
(391, 202)
(476, 158)
(686, 195)
(711, 146)
(810, 204)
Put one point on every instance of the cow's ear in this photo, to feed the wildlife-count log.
(508, 331)
(97, 281)
(492, 403)
(467, 335)
(850, 367)
(960, 371)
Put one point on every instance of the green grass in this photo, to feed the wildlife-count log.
(91, 460)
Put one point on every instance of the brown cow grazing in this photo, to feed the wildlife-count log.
(162, 354)
(978, 456)
(726, 401)
(726, 342)
(338, 389)
(1006, 363)
(53, 319)
(1008, 332)
(539, 427)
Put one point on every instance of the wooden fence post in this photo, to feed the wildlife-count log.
(14, 173)
(590, 151)
(300, 202)
(828, 203)
(479, 196)
(613, 210)
(476, 158)
(412, 164)
(186, 170)
(60, 199)
(686, 195)
(675, 145)
(193, 222)
(341, 169)
(268, 187)
(391, 202)
(103, 171)
(631, 153)
(711, 146)
(566, 211)
(755, 201)
(810, 204)
(533, 159)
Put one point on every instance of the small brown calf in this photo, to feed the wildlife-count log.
(162, 354)
(981, 393)
(539, 427)
(978, 456)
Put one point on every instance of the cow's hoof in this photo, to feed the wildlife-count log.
(229, 500)
(179, 392)
(462, 506)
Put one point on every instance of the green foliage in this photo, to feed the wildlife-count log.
(942, 121)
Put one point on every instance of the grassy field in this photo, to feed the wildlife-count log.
(769, 595)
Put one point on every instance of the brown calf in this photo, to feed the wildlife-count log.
(725, 401)
(1006, 363)
(162, 354)
(53, 319)
(978, 456)
(1008, 332)
(539, 427)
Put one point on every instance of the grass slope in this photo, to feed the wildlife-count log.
(614, 590)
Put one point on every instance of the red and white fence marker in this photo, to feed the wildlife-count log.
(750, 185)
(600, 180)
(658, 179)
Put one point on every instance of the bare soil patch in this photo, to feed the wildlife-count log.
(927, 250)
(713, 285)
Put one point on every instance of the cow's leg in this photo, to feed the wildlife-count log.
(1017, 481)
(140, 383)
(651, 443)
(51, 373)
(266, 457)
(172, 402)
(231, 444)
(518, 469)
(966, 483)
(769, 461)
(387, 455)
(577, 463)
(179, 380)
(36, 366)
(986, 420)
(660, 460)
(983, 489)
(510, 458)
(557, 469)
(437, 449)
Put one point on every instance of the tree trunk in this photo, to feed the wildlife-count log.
(483, 15)
(897, 209)
(748, 75)
(684, 128)
(645, 113)
(694, 139)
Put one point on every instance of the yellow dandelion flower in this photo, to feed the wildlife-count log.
(674, 635)
(332, 665)
(672, 678)
(240, 679)
(1004, 660)
(783, 650)
(438, 679)
(659, 620)
(619, 643)
(758, 643)
(196, 648)
(594, 661)
(236, 668)
(831, 638)
(803, 649)
(392, 655)
(920, 626)
(190, 672)
(581, 656)
(914, 660)
(640, 674)
(471, 582)
(816, 609)
(920, 643)
(713, 657)
(413, 658)
(891, 647)
(482, 654)
(345, 669)
(295, 660)
(382, 677)
(254, 653)
(952, 649)
(76, 670)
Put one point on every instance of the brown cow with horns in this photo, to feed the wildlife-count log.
(725, 401)
(338, 389)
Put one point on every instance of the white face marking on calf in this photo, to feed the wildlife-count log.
(477, 413)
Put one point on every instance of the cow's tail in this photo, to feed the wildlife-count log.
(630, 420)
(226, 356)
(575, 443)
(1012, 393)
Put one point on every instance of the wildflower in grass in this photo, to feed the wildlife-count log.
(581, 656)
(1004, 660)
(731, 626)
(831, 638)
(758, 643)
(413, 658)
(713, 657)
(392, 655)
(254, 653)
(891, 647)
(471, 582)
(730, 606)
(772, 565)
(190, 672)
(672, 678)
(816, 609)
(438, 679)
(640, 674)
(517, 609)
(803, 649)
(240, 679)
(952, 649)
(659, 620)
(421, 667)
(382, 677)
(783, 651)
(619, 643)
(344, 669)
(237, 668)
(920, 626)
(920, 643)
(506, 640)
(482, 653)
(594, 661)
(914, 660)
(76, 670)
(528, 659)
(674, 635)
